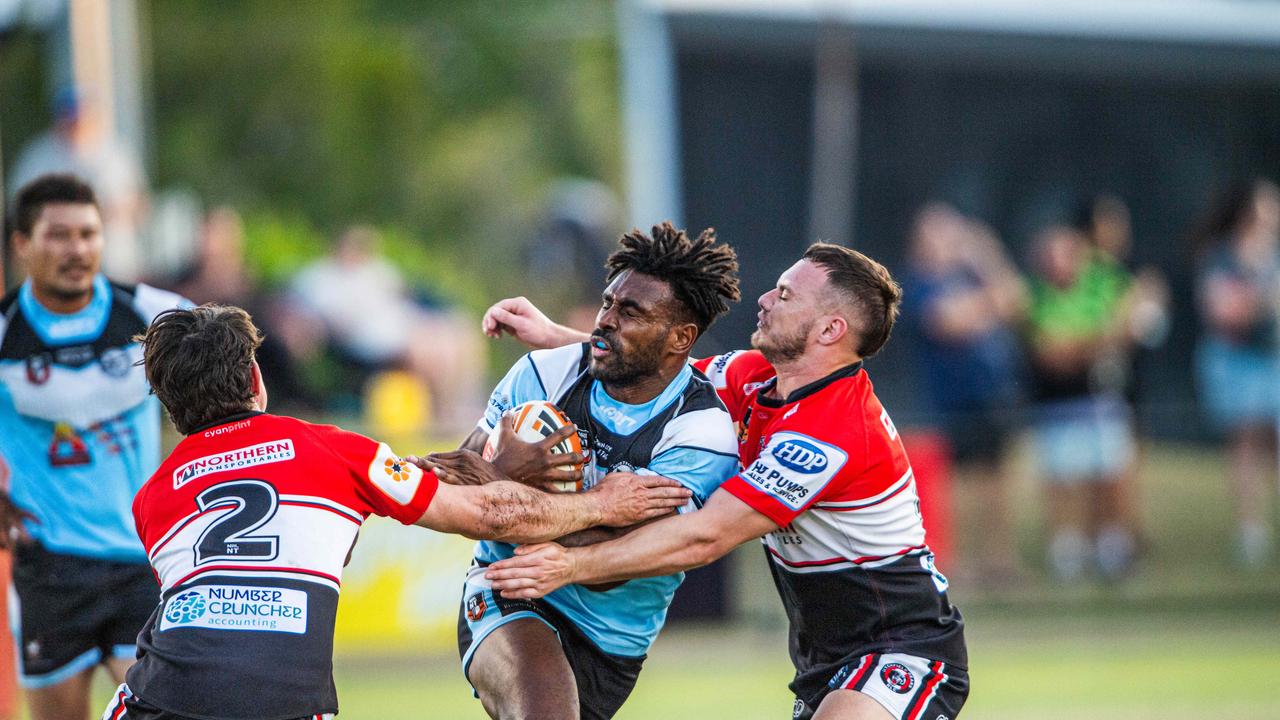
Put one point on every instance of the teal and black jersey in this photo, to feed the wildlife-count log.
(78, 426)
(685, 433)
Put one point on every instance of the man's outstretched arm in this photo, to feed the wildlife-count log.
(525, 322)
(512, 512)
(660, 548)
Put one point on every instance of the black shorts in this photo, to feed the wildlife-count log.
(907, 686)
(605, 681)
(76, 612)
(125, 705)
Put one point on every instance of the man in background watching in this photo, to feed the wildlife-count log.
(80, 434)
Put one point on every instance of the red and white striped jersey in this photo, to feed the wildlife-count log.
(248, 525)
(849, 558)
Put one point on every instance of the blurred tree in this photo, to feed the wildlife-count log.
(446, 120)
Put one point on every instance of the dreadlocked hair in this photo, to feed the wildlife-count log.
(702, 272)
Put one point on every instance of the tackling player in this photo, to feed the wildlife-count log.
(249, 522)
(825, 479)
(639, 407)
(80, 434)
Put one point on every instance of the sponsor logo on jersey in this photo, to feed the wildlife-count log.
(228, 428)
(237, 607)
(186, 608)
(801, 456)
(889, 427)
(897, 678)
(67, 447)
(476, 607)
(748, 388)
(74, 355)
(394, 476)
(838, 679)
(776, 483)
(260, 454)
(115, 362)
(796, 468)
(939, 580)
(67, 328)
(618, 417)
(797, 709)
(716, 371)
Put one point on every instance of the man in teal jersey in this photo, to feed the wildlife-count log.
(638, 406)
(80, 434)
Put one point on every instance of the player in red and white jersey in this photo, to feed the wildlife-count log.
(826, 481)
(249, 523)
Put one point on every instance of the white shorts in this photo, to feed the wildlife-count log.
(908, 686)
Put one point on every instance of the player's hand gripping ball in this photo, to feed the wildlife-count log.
(535, 421)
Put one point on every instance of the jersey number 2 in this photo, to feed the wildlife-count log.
(252, 504)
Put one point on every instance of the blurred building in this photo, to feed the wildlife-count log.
(784, 121)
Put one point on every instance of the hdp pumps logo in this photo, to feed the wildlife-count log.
(801, 456)
(187, 607)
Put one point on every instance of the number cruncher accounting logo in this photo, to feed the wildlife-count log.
(801, 456)
(187, 607)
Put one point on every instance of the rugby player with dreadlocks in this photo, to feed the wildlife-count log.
(640, 407)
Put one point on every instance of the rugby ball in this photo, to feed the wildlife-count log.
(534, 421)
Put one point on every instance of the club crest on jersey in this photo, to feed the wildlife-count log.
(897, 678)
(801, 456)
(476, 607)
(39, 367)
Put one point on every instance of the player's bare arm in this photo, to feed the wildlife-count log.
(523, 320)
(511, 512)
(660, 548)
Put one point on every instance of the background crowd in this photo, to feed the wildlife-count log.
(1047, 345)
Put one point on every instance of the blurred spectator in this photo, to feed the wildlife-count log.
(374, 325)
(564, 258)
(79, 143)
(1083, 438)
(219, 275)
(962, 294)
(1239, 287)
(1106, 223)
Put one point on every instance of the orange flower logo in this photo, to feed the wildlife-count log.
(398, 469)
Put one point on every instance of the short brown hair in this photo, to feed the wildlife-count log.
(864, 283)
(46, 189)
(200, 363)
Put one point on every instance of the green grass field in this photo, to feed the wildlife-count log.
(1189, 637)
(1171, 664)
(1174, 663)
